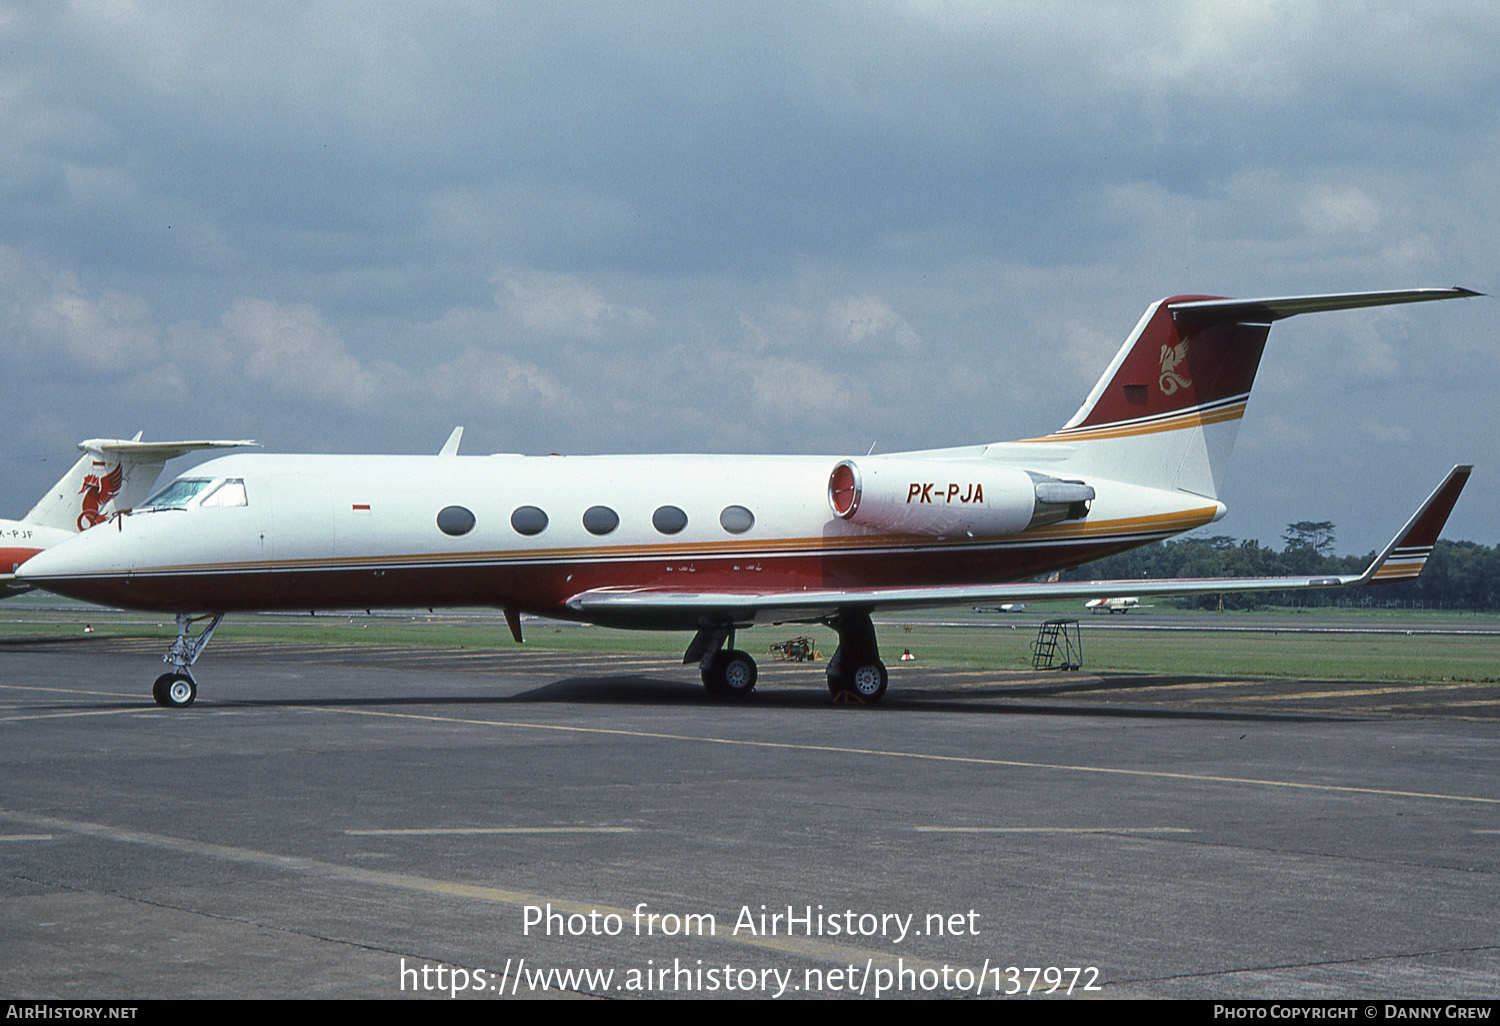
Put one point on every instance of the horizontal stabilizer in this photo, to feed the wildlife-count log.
(156, 452)
(1194, 313)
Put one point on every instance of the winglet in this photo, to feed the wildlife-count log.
(1407, 553)
(450, 447)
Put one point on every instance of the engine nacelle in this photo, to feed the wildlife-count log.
(946, 498)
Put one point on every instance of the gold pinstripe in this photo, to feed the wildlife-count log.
(1132, 429)
(1168, 523)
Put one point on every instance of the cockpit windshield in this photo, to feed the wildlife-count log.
(177, 494)
(200, 491)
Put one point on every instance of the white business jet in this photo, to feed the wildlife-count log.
(715, 544)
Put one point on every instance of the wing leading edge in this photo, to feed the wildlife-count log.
(1402, 559)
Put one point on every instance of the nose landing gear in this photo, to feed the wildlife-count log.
(178, 690)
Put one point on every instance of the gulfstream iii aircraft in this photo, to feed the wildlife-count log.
(112, 475)
(714, 544)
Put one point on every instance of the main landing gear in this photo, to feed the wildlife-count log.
(177, 689)
(727, 672)
(855, 673)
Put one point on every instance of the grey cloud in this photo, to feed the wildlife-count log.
(704, 203)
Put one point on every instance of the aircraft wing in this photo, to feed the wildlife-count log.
(1402, 559)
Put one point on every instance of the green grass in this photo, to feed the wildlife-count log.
(1002, 644)
(1212, 653)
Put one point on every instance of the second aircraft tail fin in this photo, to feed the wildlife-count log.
(113, 474)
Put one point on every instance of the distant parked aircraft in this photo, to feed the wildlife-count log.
(1112, 605)
(112, 475)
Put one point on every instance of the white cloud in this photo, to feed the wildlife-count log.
(497, 382)
(110, 333)
(782, 388)
(294, 350)
(562, 306)
(47, 316)
(1369, 356)
(1084, 351)
(868, 322)
(1340, 211)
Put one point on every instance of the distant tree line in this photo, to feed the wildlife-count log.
(1458, 575)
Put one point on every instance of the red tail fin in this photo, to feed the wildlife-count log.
(1200, 354)
(1173, 365)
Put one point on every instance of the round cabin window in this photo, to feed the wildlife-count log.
(669, 519)
(455, 520)
(528, 520)
(736, 519)
(600, 520)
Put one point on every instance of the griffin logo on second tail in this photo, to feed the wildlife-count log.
(96, 492)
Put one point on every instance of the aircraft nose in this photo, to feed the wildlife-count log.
(79, 557)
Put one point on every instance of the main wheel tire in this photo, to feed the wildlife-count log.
(174, 690)
(738, 672)
(730, 674)
(869, 682)
(864, 686)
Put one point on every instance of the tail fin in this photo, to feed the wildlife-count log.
(1168, 407)
(113, 474)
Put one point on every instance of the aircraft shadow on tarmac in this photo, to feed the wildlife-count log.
(637, 690)
(923, 691)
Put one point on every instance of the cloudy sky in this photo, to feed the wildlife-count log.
(765, 227)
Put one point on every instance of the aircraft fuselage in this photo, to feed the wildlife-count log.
(318, 532)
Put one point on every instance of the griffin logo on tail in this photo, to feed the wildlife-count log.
(1170, 381)
(96, 492)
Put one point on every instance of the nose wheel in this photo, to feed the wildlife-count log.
(178, 690)
(175, 690)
